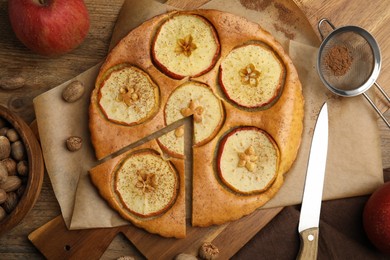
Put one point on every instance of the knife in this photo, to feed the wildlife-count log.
(312, 195)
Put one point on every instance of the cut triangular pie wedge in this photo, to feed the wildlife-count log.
(145, 188)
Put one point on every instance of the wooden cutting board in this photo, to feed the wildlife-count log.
(55, 241)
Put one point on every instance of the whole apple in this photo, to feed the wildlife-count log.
(376, 218)
(49, 27)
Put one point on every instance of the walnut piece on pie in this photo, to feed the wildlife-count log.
(193, 109)
(248, 159)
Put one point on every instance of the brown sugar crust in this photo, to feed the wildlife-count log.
(169, 222)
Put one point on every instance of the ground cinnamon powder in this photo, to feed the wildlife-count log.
(338, 60)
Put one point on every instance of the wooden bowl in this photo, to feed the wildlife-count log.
(35, 175)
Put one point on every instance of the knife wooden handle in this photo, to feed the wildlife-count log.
(309, 244)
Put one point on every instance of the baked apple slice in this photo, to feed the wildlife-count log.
(185, 45)
(248, 160)
(252, 75)
(194, 99)
(127, 95)
(145, 188)
(146, 184)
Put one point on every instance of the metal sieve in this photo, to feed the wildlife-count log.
(349, 62)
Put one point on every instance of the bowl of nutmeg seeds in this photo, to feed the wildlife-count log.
(21, 169)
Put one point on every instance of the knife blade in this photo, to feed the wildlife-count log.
(312, 195)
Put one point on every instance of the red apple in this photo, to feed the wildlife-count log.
(49, 27)
(376, 218)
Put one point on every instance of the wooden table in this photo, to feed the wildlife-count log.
(42, 74)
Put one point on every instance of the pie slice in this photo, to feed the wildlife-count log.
(145, 189)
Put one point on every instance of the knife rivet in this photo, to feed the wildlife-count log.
(310, 237)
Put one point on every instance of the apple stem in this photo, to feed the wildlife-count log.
(42, 2)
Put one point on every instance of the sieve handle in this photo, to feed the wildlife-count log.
(324, 20)
(382, 91)
(376, 108)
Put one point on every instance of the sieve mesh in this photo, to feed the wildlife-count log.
(346, 60)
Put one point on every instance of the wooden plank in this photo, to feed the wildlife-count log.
(92, 243)
(55, 241)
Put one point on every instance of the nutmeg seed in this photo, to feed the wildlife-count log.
(5, 147)
(10, 164)
(3, 173)
(208, 251)
(12, 135)
(74, 143)
(22, 168)
(11, 202)
(17, 150)
(73, 92)
(3, 196)
(11, 184)
(10, 83)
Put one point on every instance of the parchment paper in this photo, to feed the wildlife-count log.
(354, 159)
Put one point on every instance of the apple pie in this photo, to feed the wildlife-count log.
(241, 91)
